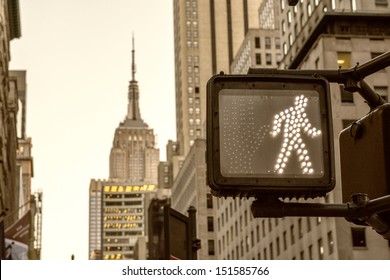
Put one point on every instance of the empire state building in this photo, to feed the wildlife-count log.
(134, 157)
(118, 205)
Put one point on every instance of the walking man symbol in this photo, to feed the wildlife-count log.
(293, 122)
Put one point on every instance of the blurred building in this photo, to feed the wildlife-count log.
(118, 205)
(21, 222)
(10, 29)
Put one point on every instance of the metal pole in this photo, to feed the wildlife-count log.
(279, 208)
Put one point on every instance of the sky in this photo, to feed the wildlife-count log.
(77, 54)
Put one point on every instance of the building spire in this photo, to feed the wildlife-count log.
(133, 112)
(133, 69)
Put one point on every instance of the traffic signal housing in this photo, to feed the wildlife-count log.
(269, 135)
(365, 155)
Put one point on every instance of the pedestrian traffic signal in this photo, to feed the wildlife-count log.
(269, 134)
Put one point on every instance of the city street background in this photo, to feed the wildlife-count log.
(78, 60)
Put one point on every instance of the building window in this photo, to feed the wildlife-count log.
(277, 43)
(309, 9)
(344, 59)
(310, 252)
(284, 240)
(289, 18)
(268, 59)
(211, 247)
(330, 243)
(257, 42)
(302, 255)
(258, 58)
(320, 249)
(292, 234)
(263, 227)
(317, 63)
(300, 230)
(267, 42)
(308, 224)
(209, 200)
(381, 2)
(358, 237)
(197, 89)
(346, 96)
(277, 246)
(278, 58)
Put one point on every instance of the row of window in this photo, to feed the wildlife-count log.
(192, 4)
(316, 2)
(267, 43)
(271, 251)
(195, 80)
(268, 58)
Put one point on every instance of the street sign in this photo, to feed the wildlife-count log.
(269, 134)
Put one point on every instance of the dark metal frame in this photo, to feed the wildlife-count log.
(289, 186)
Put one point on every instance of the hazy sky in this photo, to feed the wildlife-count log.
(77, 54)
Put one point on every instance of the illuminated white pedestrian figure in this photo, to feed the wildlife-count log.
(295, 123)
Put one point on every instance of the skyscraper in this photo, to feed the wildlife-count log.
(118, 205)
(207, 34)
(134, 157)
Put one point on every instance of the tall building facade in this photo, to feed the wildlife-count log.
(207, 36)
(314, 34)
(118, 204)
(10, 29)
